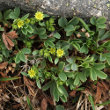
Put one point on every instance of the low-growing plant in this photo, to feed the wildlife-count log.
(59, 52)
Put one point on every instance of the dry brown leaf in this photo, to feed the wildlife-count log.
(8, 43)
(44, 104)
(7, 39)
(73, 93)
(3, 65)
(98, 94)
(29, 86)
(3, 74)
(105, 85)
(5, 42)
(12, 34)
(32, 37)
(28, 82)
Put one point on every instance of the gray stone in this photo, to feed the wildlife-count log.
(68, 8)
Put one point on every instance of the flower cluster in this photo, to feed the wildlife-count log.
(50, 24)
(46, 52)
(52, 51)
(20, 23)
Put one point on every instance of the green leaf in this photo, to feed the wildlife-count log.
(56, 60)
(1, 29)
(38, 83)
(49, 43)
(50, 59)
(24, 74)
(26, 51)
(22, 57)
(44, 36)
(101, 74)
(76, 45)
(25, 17)
(61, 65)
(69, 28)
(101, 33)
(104, 103)
(84, 24)
(101, 26)
(47, 86)
(62, 22)
(17, 59)
(7, 14)
(62, 90)
(9, 79)
(41, 23)
(29, 103)
(93, 20)
(70, 74)
(74, 67)
(59, 107)
(82, 77)
(105, 36)
(41, 31)
(84, 49)
(30, 29)
(93, 74)
(57, 35)
(24, 31)
(77, 80)
(74, 21)
(101, 20)
(70, 60)
(63, 98)
(67, 67)
(62, 76)
(1, 17)
(99, 66)
(91, 101)
(15, 14)
(69, 33)
(102, 57)
(35, 52)
(108, 60)
(106, 57)
(55, 93)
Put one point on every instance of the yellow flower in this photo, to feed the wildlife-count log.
(60, 52)
(20, 23)
(46, 53)
(27, 21)
(39, 15)
(32, 73)
(52, 50)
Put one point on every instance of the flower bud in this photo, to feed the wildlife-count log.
(87, 34)
(83, 30)
(78, 35)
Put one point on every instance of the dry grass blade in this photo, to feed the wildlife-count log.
(79, 102)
